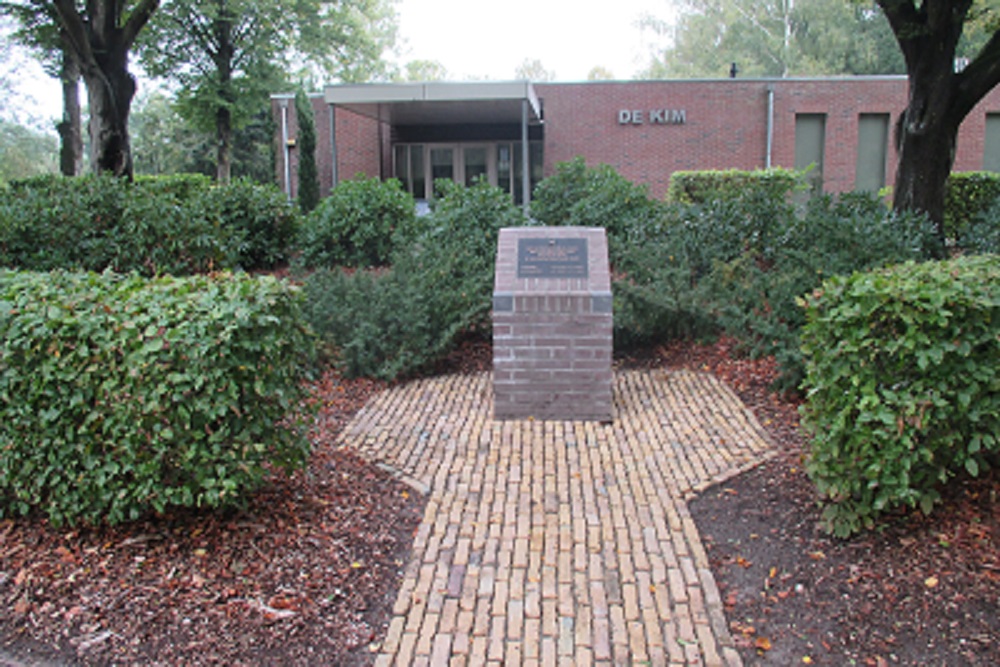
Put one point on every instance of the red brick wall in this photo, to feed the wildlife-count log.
(725, 127)
(357, 145)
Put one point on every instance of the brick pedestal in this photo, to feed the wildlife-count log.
(552, 324)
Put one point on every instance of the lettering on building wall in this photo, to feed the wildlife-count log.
(652, 117)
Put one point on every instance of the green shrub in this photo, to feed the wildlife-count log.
(582, 196)
(391, 323)
(182, 186)
(967, 196)
(54, 222)
(259, 216)
(982, 234)
(308, 175)
(178, 225)
(355, 225)
(903, 380)
(120, 396)
(701, 187)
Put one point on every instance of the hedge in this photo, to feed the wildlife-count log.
(699, 187)
(967, 195)
(903, 384)
(120, 396)
(178, 225)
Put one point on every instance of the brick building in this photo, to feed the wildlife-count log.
(644, 129)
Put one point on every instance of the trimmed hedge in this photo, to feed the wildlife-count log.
(903, 384)
(699, 187)
(120, 396)
(968, 195)
(175, 225)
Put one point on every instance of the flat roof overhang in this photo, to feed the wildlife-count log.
(439, 103)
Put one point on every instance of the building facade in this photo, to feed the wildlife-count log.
(840, 127)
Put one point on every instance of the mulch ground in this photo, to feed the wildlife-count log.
(918, 590)
(307, 573)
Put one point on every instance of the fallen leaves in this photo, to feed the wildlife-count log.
(304, 575)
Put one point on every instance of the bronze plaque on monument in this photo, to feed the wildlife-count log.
(552, 258)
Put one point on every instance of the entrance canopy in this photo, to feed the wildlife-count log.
(458, 131)
(440, 103)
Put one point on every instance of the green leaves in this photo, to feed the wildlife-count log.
(120, 395)
(356, 224)
(903, 382)
(178, 225)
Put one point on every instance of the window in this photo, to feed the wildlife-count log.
(810, 137)
(873, 143)
(409, 168)
(991, 143)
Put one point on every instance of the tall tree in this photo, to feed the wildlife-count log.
(226, 55)
(533, 70)
(773, 38)
(38, 29)
(308, 176)
(939, 98)
(99, 34)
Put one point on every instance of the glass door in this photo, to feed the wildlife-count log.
(443, 163)
(474, 163)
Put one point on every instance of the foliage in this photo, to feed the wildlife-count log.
(788, 254)
(982, 235)
(774, 38)
(25, 152)
(967, 196)
(120, 396)
(582, 196)
(355, 225)
(697, 187)
(308, 176)
(903, 384)
(163, 142)
(227, 55)
(261, 217)
(390, 323)
(177, 225)
(738, 265)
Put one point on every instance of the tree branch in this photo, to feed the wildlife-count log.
(979, 77)
(137, 20)
(75, 30)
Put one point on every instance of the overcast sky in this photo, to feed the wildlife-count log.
(472, 40)
(491, 39)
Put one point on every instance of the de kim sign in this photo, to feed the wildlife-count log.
(653, 117)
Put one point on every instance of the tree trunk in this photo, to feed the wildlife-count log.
(100, 39)
(71, 126)
(110, 89)
(224, 135)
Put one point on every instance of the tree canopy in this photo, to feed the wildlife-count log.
(225, 56)
(774, 38)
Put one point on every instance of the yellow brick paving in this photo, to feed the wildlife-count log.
(559, 543)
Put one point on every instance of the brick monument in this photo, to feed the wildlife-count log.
(552, 324)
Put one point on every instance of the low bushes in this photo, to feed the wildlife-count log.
(968, 195)
(583, 196)
(178, 225)
(903, 380)
(392, 322)
(356, 224)
(700, 187)
(120, 395)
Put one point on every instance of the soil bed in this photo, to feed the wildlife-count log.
(307, 574)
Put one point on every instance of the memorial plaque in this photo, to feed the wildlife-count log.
(552, 325)
(552, 258)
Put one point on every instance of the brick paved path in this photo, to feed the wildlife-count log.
(559, 543)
